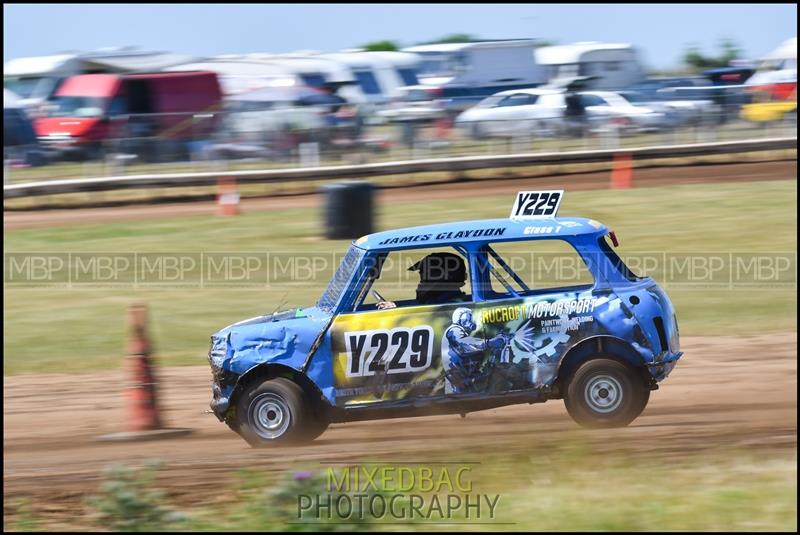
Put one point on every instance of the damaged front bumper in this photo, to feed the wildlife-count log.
(220, 402)
(222, 385)
(664, 364)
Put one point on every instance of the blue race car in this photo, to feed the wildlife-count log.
(601, 343)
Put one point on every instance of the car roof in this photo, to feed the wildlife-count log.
(481, 230)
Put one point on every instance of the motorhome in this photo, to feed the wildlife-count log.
(466, 73)
(313, 70)
(379, 74)
(612, 65)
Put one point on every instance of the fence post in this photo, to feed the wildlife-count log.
(520, 144)
(309, 154)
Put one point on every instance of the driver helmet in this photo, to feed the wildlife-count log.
(463, 316)
(446, 268)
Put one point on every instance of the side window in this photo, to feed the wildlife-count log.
(520, 99)
(368, 83)
(592, 100)
(419, 277)
(534, 266)
(117, 106)
(313, 79)
(408, 75)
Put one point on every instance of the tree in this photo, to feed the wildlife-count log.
(693, 57)
(381, 46)
(454, 38)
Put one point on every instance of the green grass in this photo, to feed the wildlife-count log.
(63, 329)
(559, 490)
(566, 487)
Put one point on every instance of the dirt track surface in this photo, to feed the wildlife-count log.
(727, 392)
(645, 177)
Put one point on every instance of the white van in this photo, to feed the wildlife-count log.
(613, 65)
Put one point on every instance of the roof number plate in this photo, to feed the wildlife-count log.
(537, 204)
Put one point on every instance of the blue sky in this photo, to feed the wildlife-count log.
(660, 31)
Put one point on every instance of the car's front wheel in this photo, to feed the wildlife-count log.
(276, 412)
(605, 393)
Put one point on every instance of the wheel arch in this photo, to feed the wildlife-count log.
(608, 346)
(269, 370)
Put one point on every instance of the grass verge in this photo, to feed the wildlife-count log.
(80, 328)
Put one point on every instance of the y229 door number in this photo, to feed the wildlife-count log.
(398, 350)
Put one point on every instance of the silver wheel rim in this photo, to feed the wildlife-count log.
(603, 394)
(270, 416)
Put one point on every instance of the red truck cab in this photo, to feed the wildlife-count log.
(91, 109)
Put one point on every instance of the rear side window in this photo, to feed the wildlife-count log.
(616, 261)
(535, 266)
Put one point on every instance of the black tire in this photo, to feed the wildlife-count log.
(605, 393)
(275, 412)
(476, 131)
(317, 425)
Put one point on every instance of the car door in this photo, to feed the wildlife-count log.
(512, 114)
(393, 355)
(536, 301)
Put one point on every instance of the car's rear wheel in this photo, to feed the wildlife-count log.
(477, 130)
(605, 393)
(276, 412)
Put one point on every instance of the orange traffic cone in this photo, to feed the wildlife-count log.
(143, 418)
(622, 172)
(227, 197)
(141, 393)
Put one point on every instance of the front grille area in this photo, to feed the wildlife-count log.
(662, 334)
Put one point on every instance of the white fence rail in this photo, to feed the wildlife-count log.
(453, 164)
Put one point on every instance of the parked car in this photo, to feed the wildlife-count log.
(687, 99)
(517, 112)
(19, 138)
(602, 344)
(609, 106)
(275, 120)
(416, 104)
(150, 112)
(544, 112)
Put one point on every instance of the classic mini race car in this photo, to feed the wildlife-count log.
(601, 341)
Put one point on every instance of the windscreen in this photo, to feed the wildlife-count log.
(341, 279)
(68, 106)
